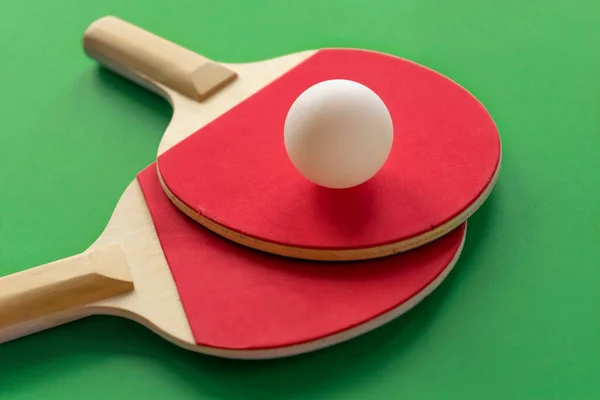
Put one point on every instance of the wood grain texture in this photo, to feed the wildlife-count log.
(155, 301)
(63, 285)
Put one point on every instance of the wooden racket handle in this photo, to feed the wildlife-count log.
(149, 60)
(63, 285)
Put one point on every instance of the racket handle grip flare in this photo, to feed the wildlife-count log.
(152, 61)
(63, 285)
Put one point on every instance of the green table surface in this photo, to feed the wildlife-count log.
(519, 317)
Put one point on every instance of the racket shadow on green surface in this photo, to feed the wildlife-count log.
(121, 90)
(105, 339)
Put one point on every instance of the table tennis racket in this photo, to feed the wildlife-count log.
(156, 266)
(224, 164)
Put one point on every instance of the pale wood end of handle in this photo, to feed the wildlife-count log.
(144, 58)
(63, 285)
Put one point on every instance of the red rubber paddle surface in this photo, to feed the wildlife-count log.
(235, 170)
(238, 298)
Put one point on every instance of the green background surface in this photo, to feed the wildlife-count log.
(519, 317)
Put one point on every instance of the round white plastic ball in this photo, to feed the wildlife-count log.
(338, 133)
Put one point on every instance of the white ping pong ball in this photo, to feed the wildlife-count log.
(338, 133)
